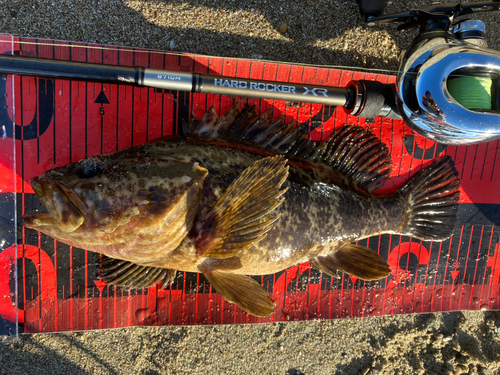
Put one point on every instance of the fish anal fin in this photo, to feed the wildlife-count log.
(242, 290)
(128, 274)
(358, 261)
(243, 215)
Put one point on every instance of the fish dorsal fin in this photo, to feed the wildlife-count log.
(128, 274)
(243, 215)
(353, 150)
(358, 153)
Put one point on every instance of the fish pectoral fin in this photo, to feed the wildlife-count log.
(358, 261)
(243, 215)
(242, 290)
(128, 274)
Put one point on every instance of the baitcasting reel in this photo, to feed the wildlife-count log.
(448, 87)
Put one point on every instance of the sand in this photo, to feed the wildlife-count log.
(452, 343)
(301, 31)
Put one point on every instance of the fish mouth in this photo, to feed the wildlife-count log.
(62, 212)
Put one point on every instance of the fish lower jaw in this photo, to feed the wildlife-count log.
(39, 220)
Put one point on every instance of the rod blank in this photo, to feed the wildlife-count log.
(179, 81)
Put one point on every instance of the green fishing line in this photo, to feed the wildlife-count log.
(471, 92)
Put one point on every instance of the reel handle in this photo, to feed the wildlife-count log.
(414, 17)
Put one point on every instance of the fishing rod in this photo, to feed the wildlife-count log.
(171, 80)
(353, 97)
(448, 87)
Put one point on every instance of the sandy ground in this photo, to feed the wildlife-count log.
(317, 32)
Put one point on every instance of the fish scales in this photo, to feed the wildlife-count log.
(320, 207)
(241, 195)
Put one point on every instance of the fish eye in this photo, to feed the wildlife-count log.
(89, 168)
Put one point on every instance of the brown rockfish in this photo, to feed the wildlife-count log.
(241, 195)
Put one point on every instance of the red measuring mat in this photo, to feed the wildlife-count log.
(62, 121)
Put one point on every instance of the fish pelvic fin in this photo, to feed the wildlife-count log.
(326, 265)
(432, 201)
(242, 290)
(128, 274)
(244, 213)
(358, 261)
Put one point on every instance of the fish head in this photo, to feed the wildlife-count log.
(109, 199)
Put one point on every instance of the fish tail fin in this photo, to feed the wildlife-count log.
(432, 201)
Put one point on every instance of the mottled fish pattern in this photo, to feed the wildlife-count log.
(237, 195)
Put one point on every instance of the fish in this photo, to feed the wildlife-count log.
(238, 195)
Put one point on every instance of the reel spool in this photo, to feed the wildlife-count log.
(472, 92)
